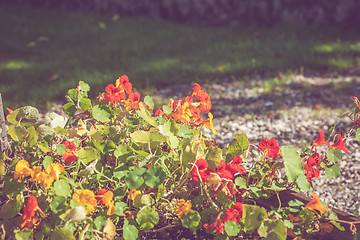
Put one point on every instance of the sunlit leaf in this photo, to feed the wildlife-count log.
(61, 234)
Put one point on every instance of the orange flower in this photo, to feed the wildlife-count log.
(29, 218)
(87, 198)
(315, 204)
(209, 123)
(70, 155)
(54, 170)
(41, 177)
(107, 200)
(132, 194)
(128, 214)
(22, 170)
(114, 94)
(182, 207)
(321, 139)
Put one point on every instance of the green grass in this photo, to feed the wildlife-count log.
(151, 52)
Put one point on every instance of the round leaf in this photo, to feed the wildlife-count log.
(62, 188)
(130, 231)
(334, 155)
(191, 219)
(232, 228)
(147, 218)
(61, 234)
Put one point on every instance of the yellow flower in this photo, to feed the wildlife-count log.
(315, 204)
(209, 123)
(132, 194)
(182, 207)
(111, 208)
(22, 170)
(107, 197)
(34, 172)
(41, 177)
(86, 197)
(54, 170)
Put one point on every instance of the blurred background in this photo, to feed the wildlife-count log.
(48, 46)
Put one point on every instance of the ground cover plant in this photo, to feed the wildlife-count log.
(45, 52)
(119, 168)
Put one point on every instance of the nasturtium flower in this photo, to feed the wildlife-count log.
(124, 84)
(114, 94)
(203, 97)
(209, 123)
(310, 170)
(270, 147)
(22, 170)
(200, 170)
(28, 216)
(85, 197)
(132, 194)
(234, 213)
(315, 204)
(70, 154)
(128, 214)
(134, 99)
(54, 170)
(320, 140)
(182, 207)
(218, 225)
(339, 144)
(41, 177)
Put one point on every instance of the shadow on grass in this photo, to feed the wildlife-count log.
(44, 53)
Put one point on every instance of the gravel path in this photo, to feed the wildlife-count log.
(291, 110)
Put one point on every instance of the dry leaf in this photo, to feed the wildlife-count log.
(43, 39)
(102, 25)
(31, 44)
(109, 230)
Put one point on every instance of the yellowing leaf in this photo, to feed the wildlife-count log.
(109, 230)
(82, 128)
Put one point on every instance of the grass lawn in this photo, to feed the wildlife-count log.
(43, 53)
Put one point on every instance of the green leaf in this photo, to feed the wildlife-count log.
(12, 187)
(62, 188)
(101, 114)
(239, 145)
(12, 207)
(135, 178)
(191, 219)
(303, 183)
(121, 171)
(54, 120)
(76, 214)
(334, 155)
(232, 228)
(84, 86)
(47, 160)
(12, 117)
(154, 176)
(276, 186)
(32, 137)
(167, 109)
(358, 134)
(185, 132)
(335, 223)
(25, 116)
(256, 191)
(24, 234)
(120, 207)
(121, 150)
(72, 93)
(292, 162)
(99, 222)
(213, 157)
(170, 130)
(240, 182)
(17, 133)
(295, 203)
(88, 154)
(148, 101)
(61, 234)
(273, 229)
(85, 104)
(146, 116)
(69, 108)
(130, 231)
(60, 149)
(58, 204)
(154, 137)
(252, 217)
(147, 218)
(142, 200)
(44, 131)
(332, 171)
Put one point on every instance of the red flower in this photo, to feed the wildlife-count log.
(203, 97)
(218, 225)
(70, 155)
(234, 165)
(158, 112)
(224, 172)
(321, 139)
(28, 216)
(114, 94)
(124, 83)
(100, 192)
(270, 147)
(339, 144)
(310, 171)
(201, 166)
(234, 213)
(134, 99)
